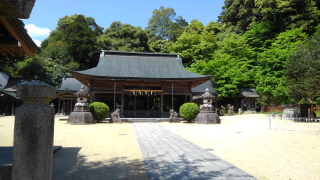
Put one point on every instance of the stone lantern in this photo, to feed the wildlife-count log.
(81, 113)
(206, 115)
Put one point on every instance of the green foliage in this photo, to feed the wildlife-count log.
(99, 111)
(80, 40)
(197, 42)
(270, 82)
(302, 71)
(124, 37)
(229, 65)
(239, 15)
(166, 24)
(189, 111)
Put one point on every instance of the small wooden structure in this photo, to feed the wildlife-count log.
(65, 94)
(249, 99)
(144, 84)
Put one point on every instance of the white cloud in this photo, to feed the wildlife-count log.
(38, 43)
(108, 7)
(34, 31)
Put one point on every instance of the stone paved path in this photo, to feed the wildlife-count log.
(168, 156)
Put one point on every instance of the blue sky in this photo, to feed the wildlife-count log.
(45, 14)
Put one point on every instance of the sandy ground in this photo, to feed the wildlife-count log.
(99, 151)
(246, 142)
(96, 151)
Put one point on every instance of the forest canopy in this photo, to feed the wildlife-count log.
(272, 46)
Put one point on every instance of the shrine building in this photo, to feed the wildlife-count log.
(142, 85)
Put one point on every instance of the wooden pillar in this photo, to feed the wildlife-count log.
(249, 105)
(114, 96)
(59, 107)
(255, 105)
(12, 108)
(216, 106)
(122, 104)
(148, 104)
(172, 96)
(161, 104)
(185, 98)
(71, 105)
(191, 99)
(135, 104)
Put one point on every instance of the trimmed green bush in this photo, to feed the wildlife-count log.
(189, 111)
(99, 111)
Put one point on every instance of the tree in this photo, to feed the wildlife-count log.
(166, 24)
(81, 42)
(302, 71)
(238, 14)
(289, 14)
(229, 64)
(124, 37)
(270, 82)
(197, 42)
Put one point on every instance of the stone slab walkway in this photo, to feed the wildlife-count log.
(168, 156)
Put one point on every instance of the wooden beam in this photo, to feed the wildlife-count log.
(5, 48)
(3, 52)
(15, 33)
(15, 50)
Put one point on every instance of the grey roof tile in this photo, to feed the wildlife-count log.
(249, 92)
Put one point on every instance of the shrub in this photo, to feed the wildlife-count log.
(189, 111)
(99, 111)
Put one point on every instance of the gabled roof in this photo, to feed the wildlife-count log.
(3, 80)
(71, 84)
(116, 65)
(201, 89)
(249, 92)
(13, 83)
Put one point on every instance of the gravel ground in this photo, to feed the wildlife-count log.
(245, 142)
(98, 151)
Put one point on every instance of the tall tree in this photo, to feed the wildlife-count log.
(166, 23)
(270, 82)
(124, 37)
(197, 42)
(237, 15)
(81, 42)
(302, 72)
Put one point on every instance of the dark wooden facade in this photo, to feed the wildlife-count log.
(152, 94)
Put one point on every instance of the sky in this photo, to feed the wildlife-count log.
(45, 14)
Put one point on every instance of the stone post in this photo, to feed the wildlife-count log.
(33, 132)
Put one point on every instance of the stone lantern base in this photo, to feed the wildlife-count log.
(207, 118)
(81, 115)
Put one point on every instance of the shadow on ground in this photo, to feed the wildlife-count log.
(68, 164)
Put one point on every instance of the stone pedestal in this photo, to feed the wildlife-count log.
(33, 132)
(81, 115)
(115, 120)
(208, 118)
(174, 120)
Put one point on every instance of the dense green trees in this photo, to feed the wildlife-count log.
(123, 37)
(255, 43)
(302, 72)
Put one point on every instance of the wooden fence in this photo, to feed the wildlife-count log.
(280, 108)
(272, 109)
